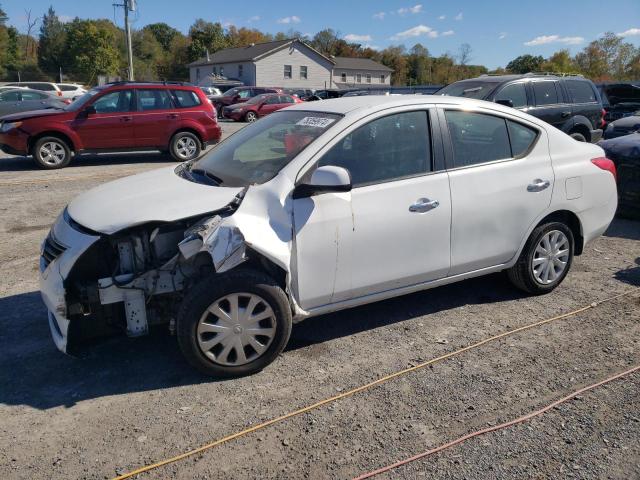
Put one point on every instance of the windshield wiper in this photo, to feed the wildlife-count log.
(204, 173)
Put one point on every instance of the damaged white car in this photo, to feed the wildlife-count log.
(317, 208)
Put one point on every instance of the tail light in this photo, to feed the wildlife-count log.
(605, 164)
(603, 114)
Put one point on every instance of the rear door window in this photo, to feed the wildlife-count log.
(521, 137)
(10, 97)
(33, 95)
(153, 99)
(515, 92)
(477, 138)
(185, 98)
(580, 91)
(545, 93)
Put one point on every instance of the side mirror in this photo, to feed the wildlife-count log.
(506, 102)
(90, 110)
(325, 179)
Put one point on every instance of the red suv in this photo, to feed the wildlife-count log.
(122, 116)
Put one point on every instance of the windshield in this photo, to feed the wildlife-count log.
(231, 93)
(81, 100)
(467, 89)
(257, 99)
(257, 153)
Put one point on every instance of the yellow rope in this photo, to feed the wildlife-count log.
(367, 386)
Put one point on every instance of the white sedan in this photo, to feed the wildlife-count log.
(317, 208)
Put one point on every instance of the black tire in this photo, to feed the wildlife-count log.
(578, 136)
(185, 146)
(522, 274)
(250, 117)
(216, 286)
(54, 160)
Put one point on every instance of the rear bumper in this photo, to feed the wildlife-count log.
(213, 135)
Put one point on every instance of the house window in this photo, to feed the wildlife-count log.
(382, 78)
(359, 77)
(197, 74)
(221, 70)
(303, 72)
(239, 71)
(213, 70)
(343, 77)
(287, 71)
(368, 78)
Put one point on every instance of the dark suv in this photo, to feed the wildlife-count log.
(122, 116)
(570, 103)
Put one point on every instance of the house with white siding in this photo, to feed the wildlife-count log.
(288, 63)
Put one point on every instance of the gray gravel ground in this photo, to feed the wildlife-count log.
(125, 403)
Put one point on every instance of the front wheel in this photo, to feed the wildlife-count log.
(234, 324)
(578, 136)
(250, 117)
(185, 146)
(51, 153)
(545, 259)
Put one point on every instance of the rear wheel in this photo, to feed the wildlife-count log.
(545, 259)
(234, 324)
(51, 153)
(185, 146)
(250, 117)
(578, 136)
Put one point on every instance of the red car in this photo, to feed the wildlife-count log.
(239, 94)
(170, 116)
(259, 106)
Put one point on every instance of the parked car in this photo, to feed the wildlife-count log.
(259, 106)
(44, 86)
(623, 126)
(620, 99)
(570, 103)
(317, 208)
(325, 94)
(239, 94)
(71, 90)
(301, 93)
(4, 88)
(121, 116)
(625, 153)
(211, 91)
(25, 99)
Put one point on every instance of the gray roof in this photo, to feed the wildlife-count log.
(349, 63)
(248, 53)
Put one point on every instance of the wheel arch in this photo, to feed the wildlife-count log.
(52, 133)
(190, 129)
(572, 221)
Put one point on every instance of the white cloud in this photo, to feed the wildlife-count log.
(416, 31)
(353, 37)
(546, 39)
(65, 18)
(442, 17)
(255, 18)
(379, 15)
(630, 32)
(447, 33)
(372, 47)
(502, 35)
(458, 16)
(415, 9)
(291, 19)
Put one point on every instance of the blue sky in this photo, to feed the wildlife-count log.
(497, 31)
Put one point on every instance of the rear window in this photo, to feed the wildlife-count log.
(580, 91)
(41, 86)
(545, 93)
(68, 88)
(185, 98)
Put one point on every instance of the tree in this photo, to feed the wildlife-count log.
(244, 36)
(163, 33)
(148, 54)
(205, 36)
(325, 41)
(91, 49)
(51, 47)
(464, 54)
(560, 62)
(525, 64)
(419, 64)
(395, 57)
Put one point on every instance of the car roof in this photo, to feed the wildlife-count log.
(371, 103)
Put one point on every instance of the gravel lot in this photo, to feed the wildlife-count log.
(125, 403)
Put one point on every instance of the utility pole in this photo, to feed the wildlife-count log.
(129, 5)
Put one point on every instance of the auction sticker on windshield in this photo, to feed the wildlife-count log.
(319, 122)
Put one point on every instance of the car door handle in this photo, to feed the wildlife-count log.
(565, 114)
(172, 115)
(125, 119)
(423, 205)
(538, 185)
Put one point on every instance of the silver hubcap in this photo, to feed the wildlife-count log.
(186, 147)
(236, 329)
(551, 257)
(52, 153)
(251, 117)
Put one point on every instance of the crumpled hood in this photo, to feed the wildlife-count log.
(32, 113)
(626, 146)
(159, 195)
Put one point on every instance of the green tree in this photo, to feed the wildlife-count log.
(525, 64)
(205, 36)
(51, 47)
(163, 33)
(91, 49)
(148, 54)
(419, 64)
(326, 41)
(560, 62)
